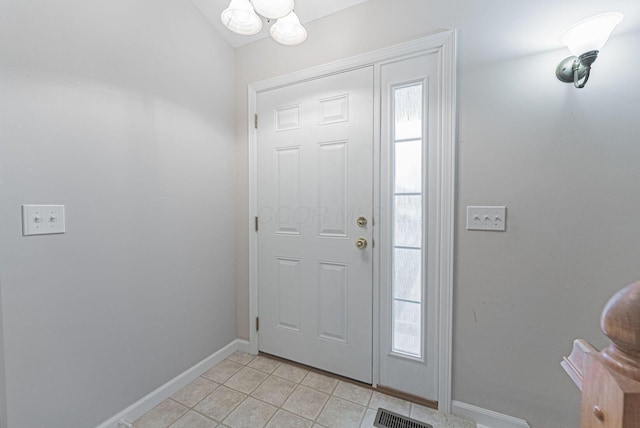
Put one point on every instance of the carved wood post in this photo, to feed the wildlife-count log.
(610, 379)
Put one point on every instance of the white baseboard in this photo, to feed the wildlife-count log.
(156, 397)
(486, 418)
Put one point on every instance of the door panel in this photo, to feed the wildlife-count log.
(333, 168)
(333, 316)
(287, 279)
(315, 177)
(288, 187)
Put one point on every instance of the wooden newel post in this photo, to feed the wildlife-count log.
(610, 379)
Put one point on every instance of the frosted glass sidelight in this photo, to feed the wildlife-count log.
(408, 167)
(408, 112)
(407, 274)
(408, 221)
(407, 322)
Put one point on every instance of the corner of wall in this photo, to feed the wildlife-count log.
(151, 400)
(486, 418)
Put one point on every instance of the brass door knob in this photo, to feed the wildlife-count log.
(361, 221)
(361, 243)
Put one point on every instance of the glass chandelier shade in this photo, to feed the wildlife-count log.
(273, 9)
(240, 18)
(288, 30)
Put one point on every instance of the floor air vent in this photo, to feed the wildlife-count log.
(387, 419)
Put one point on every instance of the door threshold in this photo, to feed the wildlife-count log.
(381, 389)
(408, 397)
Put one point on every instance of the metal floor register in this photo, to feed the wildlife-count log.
(387, 419)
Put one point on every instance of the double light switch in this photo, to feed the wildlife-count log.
(42, 219)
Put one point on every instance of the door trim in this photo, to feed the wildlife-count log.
(444, 44)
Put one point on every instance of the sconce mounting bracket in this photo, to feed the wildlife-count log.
(564, 70)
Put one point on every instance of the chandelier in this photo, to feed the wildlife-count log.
(243, 17)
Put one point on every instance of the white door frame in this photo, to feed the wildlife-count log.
(443, 44)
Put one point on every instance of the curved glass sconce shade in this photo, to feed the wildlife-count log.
(585, 40)
(591, 34)
(240, 18)
(288, 30)
(273, 9)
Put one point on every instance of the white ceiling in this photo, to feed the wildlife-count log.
(307, 10)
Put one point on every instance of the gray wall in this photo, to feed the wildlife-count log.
(120, 111)
(564, 161)
(3, 396)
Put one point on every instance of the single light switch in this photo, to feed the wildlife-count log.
(42, 219)
(487, 218)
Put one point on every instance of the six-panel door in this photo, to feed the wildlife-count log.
(315, 178)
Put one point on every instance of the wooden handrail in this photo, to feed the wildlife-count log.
(610, 379)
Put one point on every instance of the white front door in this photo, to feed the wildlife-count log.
(315, 178)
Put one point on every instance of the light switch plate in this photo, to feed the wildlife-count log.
(42, 219)
(487, 218)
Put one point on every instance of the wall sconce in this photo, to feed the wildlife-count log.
(585, 39)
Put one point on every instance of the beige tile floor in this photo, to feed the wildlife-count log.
(245, 391)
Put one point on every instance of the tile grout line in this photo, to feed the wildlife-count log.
(315, 420)
(296, 384)
(236, 406)
(181, 416)
(264, 380)
(203, 398)
(278, 408)
(251, 392)
(320, 412)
